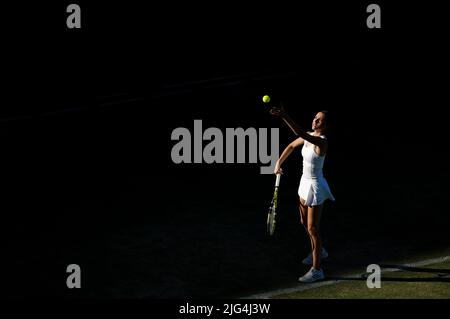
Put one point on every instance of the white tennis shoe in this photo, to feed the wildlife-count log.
(309, 260)
(312, 275)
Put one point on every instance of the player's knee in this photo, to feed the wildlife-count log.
(312, 230)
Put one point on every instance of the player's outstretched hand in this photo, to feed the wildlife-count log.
(278, 111)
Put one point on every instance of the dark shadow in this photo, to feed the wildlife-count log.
(363, 278)
(439, 272)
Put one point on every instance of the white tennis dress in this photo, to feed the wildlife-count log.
(313, 189)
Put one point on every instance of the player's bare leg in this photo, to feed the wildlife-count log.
(313, 220)
(304, 217)
(314, 214)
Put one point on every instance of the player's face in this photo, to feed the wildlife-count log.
(319, 121)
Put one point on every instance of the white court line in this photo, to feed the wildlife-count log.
(303, 287)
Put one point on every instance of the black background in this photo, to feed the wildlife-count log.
(87, 116)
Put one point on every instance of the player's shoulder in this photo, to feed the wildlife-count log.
(321, 136)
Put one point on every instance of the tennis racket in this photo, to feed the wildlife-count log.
(271, 216)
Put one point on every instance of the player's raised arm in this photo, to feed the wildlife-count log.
(316, 140)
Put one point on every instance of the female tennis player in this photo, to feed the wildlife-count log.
(313, 190)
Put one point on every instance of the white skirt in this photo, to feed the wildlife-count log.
(314, 191)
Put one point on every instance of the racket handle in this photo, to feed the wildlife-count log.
(277, 182)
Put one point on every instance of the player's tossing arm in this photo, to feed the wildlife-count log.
(316, 140)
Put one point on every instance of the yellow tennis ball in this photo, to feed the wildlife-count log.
(266, 99)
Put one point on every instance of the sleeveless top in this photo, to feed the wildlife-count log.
(312, 163)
